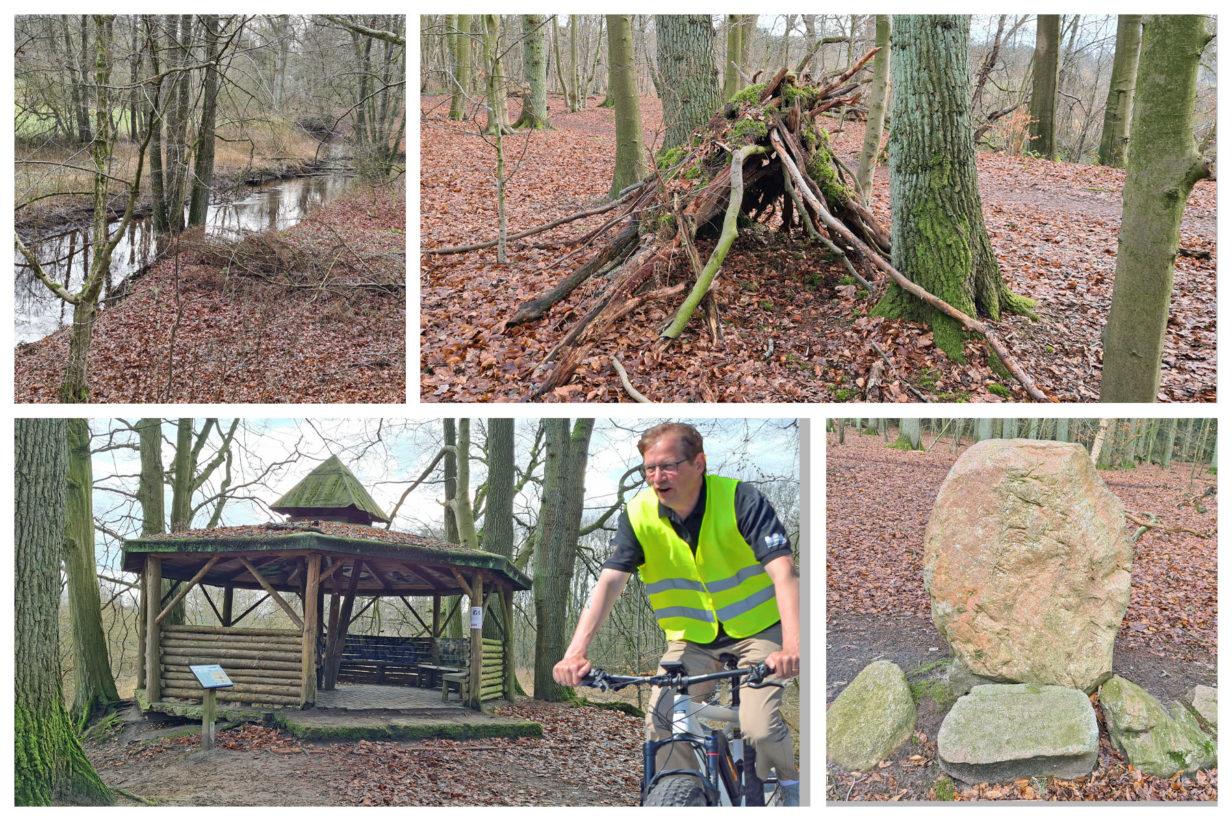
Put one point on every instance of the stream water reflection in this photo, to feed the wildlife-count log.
(65, 255)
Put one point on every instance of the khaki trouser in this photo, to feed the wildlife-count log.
(761, 723)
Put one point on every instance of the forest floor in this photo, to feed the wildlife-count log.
(194, 329)
(795, 328)
(878, 501)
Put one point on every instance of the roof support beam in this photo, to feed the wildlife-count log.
(265, 585)
(184, 589)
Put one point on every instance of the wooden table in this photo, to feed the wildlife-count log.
(430, 674)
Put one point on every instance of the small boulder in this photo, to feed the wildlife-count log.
(1154, 740)
(871, 718)
(959, 680)
(1027, 563)
(1203, 701)
(1003, 732)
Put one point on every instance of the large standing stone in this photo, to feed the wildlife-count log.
(1027, 562)
(1002, 732)
(1153, 740)
(871, 718)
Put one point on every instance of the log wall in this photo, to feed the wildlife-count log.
(266, 665)
(492, 675)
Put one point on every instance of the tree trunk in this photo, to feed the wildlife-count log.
(909, 435)
(687, 81)
(1043, 106)
(203, 168)
(1163, 165)
(622, 91)
(1062, 434)
(1009, 428)
(1118, 110)
(560, 518)
(1169, 443)
(497, 536)
(574, 95)
(877, 95)
(49, 763)
(95, 688)
(461, 68)
(983, 429)
(498, 115)
(453, 627)
(939, 239)
(535, 67)
(731, 57)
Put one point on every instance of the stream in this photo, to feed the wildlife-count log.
(65, 254)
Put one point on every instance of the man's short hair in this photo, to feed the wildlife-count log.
(690, 439)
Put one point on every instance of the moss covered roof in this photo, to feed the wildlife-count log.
(329, 487)
(335, 538)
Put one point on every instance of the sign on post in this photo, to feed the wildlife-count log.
(476, 618)
(212, 678)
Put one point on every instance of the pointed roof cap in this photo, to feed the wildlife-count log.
(330, 492)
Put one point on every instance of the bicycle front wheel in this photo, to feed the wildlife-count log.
(677, 791)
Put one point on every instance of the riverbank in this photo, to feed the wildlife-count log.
(44, 172)
(222, 322)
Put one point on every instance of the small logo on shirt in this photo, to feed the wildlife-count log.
(774, 540)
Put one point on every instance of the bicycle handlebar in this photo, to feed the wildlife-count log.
(605, 681)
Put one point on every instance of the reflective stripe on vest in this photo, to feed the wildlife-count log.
(691, 594)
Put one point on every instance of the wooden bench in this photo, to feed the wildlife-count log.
(456, 681)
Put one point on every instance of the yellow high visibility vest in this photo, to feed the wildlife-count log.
(723, 583)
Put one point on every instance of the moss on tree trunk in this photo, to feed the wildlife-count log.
(49, 764)
(939, 239)
(622, 91)
(1162, 166)
(461, 67)
(535, 65)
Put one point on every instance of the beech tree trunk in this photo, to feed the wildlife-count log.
(498, 114)
(909, 435)
(1162, 166)
(560, 519)
(877, 94)
(461, 67)
(1118, 110)
(49, 764)
(688, 84)
(453, 627)
(94, 686)
(535, 68)
(937, 225)
(732, 56)
(622, 91)
(497, 536)
(1043, 107)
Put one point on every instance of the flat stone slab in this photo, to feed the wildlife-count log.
(1003, 732)
(332, 725)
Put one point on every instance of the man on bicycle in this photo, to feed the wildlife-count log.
(717, 567)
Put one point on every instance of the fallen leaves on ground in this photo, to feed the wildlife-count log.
(191, 332)
(794, 328)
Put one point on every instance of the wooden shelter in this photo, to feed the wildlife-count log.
(328, 548)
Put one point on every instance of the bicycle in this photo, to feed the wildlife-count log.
(726, 772)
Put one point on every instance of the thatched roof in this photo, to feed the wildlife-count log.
(330, 491)
(395, 563)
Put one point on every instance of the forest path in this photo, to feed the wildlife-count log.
(587, 756)
(794, 328)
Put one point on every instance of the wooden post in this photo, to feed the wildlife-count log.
(228, 605)
(209, 707)
(141, 600)
(153, 587)
(308, 679)
(510, 683)
(476, 671)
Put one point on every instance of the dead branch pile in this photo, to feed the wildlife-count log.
(763, 154)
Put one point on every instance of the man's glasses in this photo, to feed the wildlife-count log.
(665, 469)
